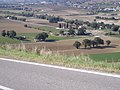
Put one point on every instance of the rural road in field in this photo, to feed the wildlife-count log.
(19, 75)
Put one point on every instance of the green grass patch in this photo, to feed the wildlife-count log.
(4, 40)
(47, 28)
(106, 57)
(31, 37)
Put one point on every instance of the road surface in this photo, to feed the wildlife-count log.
(25, 76)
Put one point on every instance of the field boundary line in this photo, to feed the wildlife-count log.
(63, 68)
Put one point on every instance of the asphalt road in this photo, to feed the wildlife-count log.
(22, 76)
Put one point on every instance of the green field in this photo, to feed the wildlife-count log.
(47, 28)
(31, 36)
(106, 57)
(6, 40)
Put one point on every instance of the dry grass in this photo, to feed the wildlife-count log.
(43, 56)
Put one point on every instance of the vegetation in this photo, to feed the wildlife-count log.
(41, 36)
(71, 32)
(3, 33)
(106, 18)
(61, 32)
(10, 34)
(108, 57)
(87, 43)
(81, 31)
(77, 44)
(99, 40)
(96, 62)
(108, 42)
(115, 28)
(51, 19)
(6, 40)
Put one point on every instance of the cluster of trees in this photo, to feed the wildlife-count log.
(10, 34)
(41, 36)
(52, 19)
(106, 18)
(80, 31)
(91, 43)
(95, 25)
(26, 14)
(101, 25)
(15, 18)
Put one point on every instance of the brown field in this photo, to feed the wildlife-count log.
(40, 22)
(65, 47)
(16, 26)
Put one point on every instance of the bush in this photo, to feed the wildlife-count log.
(86, 43)
(71, 32)
(25, 25)
(41, 36)
(77, 44)
(12, 34)
(99, 40)
(3, 33)
(108, 42)
(115, 28)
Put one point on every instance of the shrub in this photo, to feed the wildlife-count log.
(99, 40)
(41, 36)
(3, 33)
(77, 44)
(25, 25)
(86, 43)
(108, 42)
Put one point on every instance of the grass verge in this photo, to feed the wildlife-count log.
(46, 57)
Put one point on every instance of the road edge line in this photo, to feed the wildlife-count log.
(5, 88)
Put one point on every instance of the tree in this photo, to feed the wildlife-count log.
(41, 36)
(81, 31)
(60, 25)
(61, 32)
(115, 28)
(3, 33)
(77, 44)
(119, 32)
(98, 40)
(71, 32)
(94, 25)
(86, 43)
(25, 25)
(12, 34)
(108, 42)
(93, 43)
(8, 33)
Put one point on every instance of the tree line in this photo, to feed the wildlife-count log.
(87, 43)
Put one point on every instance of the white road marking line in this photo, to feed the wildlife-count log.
(5, 88)
(64, 68)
